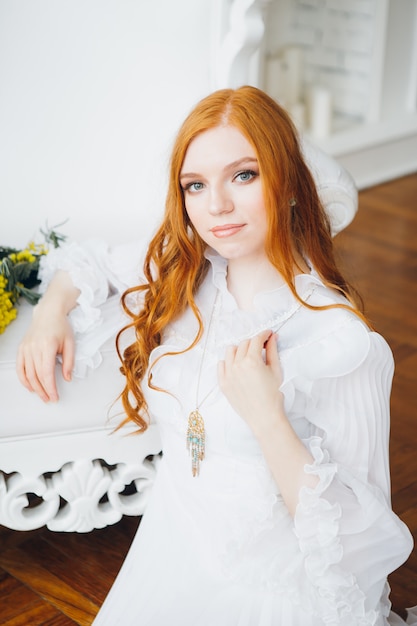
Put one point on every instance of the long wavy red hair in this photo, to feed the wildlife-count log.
(175, 265)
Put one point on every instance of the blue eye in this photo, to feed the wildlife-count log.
(245, 176)
(194, 187)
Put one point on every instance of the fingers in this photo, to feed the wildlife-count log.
(271, 350)
(68, 358)
(38, 375)
(37, 355)
(47, 375)
(250, 376)
(28, 377)
(259, 342)
(252, 347)
(21, 370)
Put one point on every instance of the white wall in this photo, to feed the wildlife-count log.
(91, 95)
(364, 54)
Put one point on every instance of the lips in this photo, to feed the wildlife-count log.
(227, 230)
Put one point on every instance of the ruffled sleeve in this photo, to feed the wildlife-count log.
(348, 535)
(102, 274)
(98, 271)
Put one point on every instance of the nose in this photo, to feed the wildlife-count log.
(220, 202)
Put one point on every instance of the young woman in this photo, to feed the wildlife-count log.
(271, 504)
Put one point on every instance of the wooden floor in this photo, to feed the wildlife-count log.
(58, 579)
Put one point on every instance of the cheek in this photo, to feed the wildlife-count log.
(253, 201)
(195, 212)
(197, 223)
(260, 216)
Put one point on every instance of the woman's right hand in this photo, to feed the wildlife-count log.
(49, 335)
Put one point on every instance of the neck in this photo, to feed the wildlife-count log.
(246, 278)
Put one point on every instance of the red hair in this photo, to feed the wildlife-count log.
(175, 265)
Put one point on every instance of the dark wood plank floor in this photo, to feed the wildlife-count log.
(59, 579)
(380, 251)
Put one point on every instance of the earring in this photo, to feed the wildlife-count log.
(292, 202)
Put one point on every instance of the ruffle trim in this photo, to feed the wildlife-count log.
(393, 618)
(306, 570)
(411, 616)
(337, 597)
(98, 317)
(80, 265)
(270, 307)
(99, 342)
(84, 363)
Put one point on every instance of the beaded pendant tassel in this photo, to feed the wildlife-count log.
(196, 440)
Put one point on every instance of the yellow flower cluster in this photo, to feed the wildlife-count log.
(29, 254)
(19, 274)
(24, 256)
(37, 248)
(7, 311)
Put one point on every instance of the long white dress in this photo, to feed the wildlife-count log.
(221, 549)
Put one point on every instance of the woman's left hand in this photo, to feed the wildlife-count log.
(251, 383)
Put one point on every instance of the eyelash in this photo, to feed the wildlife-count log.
(252, 173)
(188, 187)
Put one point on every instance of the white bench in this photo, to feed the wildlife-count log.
(61, 464)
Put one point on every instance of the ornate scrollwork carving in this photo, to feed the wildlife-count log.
(236, 44)
(16, 492)
(83, 495)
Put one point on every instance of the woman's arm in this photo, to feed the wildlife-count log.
(77, 279)
(349, 538)
(251, 385)
(49, 335)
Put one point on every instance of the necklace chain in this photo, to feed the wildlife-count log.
(196, 436)
(197, 391)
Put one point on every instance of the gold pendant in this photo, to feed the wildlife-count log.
(196, 440)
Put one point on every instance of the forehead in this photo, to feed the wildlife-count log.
(218, 146)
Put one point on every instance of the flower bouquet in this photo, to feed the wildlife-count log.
(19, 274)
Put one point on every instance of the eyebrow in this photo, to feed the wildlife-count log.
(229, 166)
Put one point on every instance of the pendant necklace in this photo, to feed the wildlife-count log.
(196, 435)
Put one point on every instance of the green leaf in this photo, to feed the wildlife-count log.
(30, 296)
(4, 252)
(26, 271)
(52, 236)
(21, 277)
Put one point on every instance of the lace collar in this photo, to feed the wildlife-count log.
(272, 309)
(280, 298)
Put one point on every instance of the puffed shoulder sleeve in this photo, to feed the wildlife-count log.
(335, 186)
(98, 271)
(349, 536)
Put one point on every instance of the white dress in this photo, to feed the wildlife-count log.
(221, 549)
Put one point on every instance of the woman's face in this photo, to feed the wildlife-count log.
(223, 193)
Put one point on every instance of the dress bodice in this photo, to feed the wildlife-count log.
(335, 381)
(189, 379)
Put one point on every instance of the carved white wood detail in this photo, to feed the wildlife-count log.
(82, 496)
(14, 501)
(238, 32)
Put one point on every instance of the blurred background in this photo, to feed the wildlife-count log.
(93, 91)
